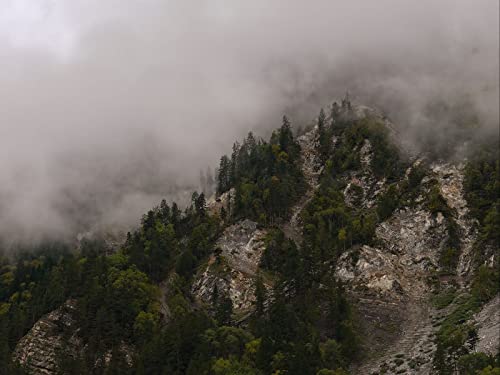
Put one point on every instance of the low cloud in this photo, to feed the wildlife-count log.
(108, 106)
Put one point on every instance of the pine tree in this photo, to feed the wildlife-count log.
(321, 123)
(260, 297)
(215, 295)
(286, 135)
(164, 211)
(223, 213)
(223, 183)
(199, 203)
(224, 310)
(176, 215)
(324, 136)
(222, 305)
(234, 166)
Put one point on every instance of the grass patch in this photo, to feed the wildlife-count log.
(443, 298)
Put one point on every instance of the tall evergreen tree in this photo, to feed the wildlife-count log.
(224, 175)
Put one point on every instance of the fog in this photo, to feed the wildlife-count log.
(108, 106)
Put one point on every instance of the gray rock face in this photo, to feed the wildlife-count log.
(410, 242)
(388, 285)
(415, 236)
(487, 323)
(364, 181)
(241, 245)
(451, 179)
(311, 168)
(234, 269)
(216, 204)
(53, 334)
(388, 282)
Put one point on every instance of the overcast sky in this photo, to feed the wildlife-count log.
(108, 104)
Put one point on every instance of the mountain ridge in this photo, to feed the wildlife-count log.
(369, 251)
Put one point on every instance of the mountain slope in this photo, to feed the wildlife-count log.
(328, 252)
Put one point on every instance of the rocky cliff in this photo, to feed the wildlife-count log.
(233, 266)
(53, 336)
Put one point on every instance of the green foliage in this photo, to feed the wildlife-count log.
(32, 284)
(118, 304)
(332, 372)
(481, 182)
(331, 354)
(417, 173)
(472, 364)
(482, 187)
(490, 371)
(266, 176)
(165, 234)
(185, 264)
(443, 298)
(388, 202)
(280, 254)
(486, 284)
(260, 297)
(330, 226)
(224, 349)
(325, 134)
(436, 203)
(449, 256)
(232, 367)
(454, 331)
(223, 309)
(386, 161)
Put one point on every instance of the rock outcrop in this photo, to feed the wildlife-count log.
(233, 267)
(487, 322)
(311, 168)
(363, 187)
(53, 334)
(450, 179)
(54, 337)
(216, 204)
(388, 284)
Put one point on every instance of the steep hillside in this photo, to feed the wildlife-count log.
(332, 251)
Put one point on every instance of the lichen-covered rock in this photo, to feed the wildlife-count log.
(53, 334)
(234, 265)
